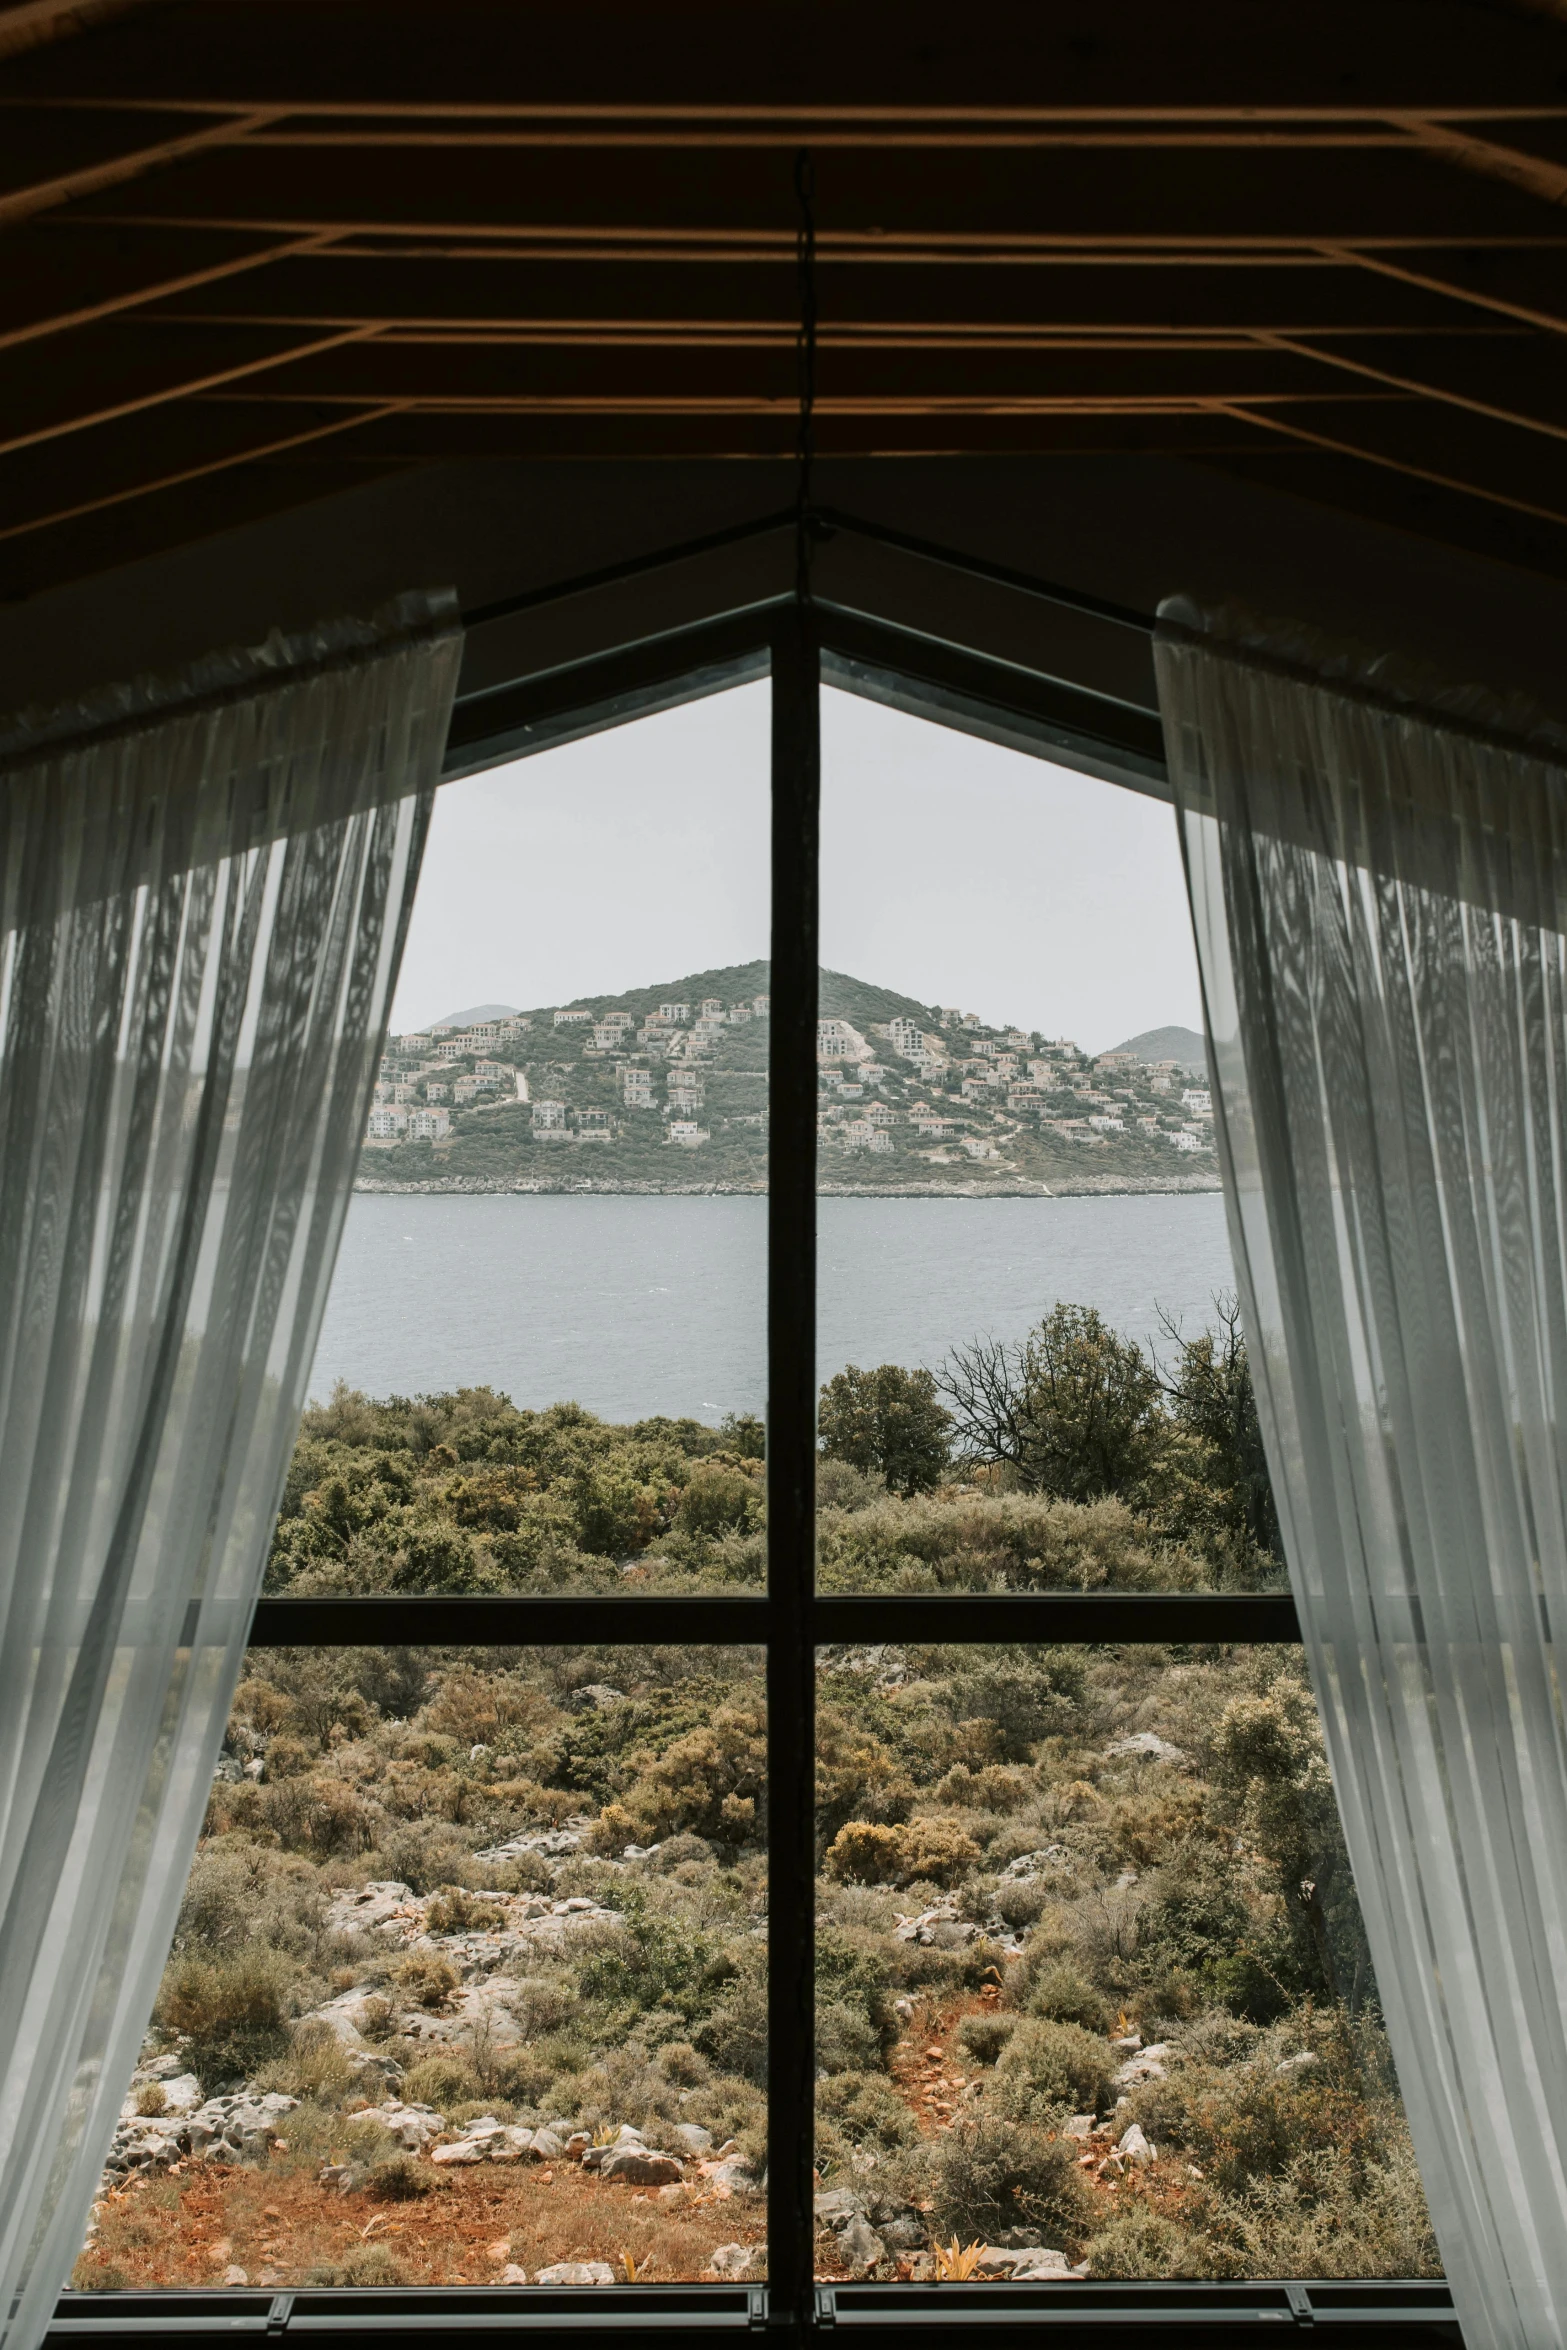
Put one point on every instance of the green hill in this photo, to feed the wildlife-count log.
(983, 1112)
(1168, 1044)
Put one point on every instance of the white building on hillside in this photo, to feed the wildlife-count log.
(549, 1117)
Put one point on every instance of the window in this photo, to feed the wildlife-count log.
(793, 1886)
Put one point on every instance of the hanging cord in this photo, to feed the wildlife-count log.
(805, 526)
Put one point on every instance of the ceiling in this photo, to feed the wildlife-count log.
(255, 252)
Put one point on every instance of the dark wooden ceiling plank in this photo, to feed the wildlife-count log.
(89, 381)
(71, 181)
(1118, 53)
(32, 24)
(53, 283)
(1166, 197)
(1309, 295)
(1471, 278)
(1539, 490)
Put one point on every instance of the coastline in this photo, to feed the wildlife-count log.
(583, 1187)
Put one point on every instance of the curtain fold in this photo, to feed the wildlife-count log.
(204, 888)
(1379, 895)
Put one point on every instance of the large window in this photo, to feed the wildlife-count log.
(774, 1781)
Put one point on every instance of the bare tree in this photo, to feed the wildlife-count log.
(986, 1387)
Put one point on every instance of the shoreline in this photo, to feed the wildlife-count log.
(1085, 1187)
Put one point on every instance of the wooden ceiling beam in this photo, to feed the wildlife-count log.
(57, 285)
(1160, 198)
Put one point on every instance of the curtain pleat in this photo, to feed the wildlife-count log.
(204, 888)
(1379, 893)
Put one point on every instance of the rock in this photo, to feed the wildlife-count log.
(942, 1928)
(694, 2138)
(900, 2227)
(1029, 2264)
(1294, 2064)
(181, 2093)
(1030, 1866)
(733, 2176)
(511, 2274)
(577, 2272)
(1134, 2147)
(1144, 1746)
(838, 2206)
(464, 2151)
(413, 2126)
(235, 2275)
(335, 2174)
(1146, 2066)
(547, 2146)
(859, 2246)
(1081, 2125)
(734, 2261)
(628, 2135)
(577, 2145)
(596, 1694)
(1130, 2041)
(159, 2068)
(634, 2166)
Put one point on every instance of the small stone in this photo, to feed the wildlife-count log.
(579, 2143)
(577, 2272)
(1134, 2147)
(694, 2138)
(734, 2261)
(465, 2150)
(499, 2251)
(546, 2146)
(860, 2246)
(235, 2275)
(511, 2274)
(1081, 2125)
(335, 2174)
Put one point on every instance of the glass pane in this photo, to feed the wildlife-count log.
(469, 1981)
(1032, 1373)
(558, 1239)
(1093, 1995)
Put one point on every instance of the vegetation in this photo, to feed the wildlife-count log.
(1102, 1887)
(1013, 1112)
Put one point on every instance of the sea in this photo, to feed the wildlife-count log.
(633, 1305)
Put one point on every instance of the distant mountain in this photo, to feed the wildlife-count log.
(839, 996)
(1167, 1044)
(473, 1013)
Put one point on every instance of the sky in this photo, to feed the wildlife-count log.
(952, 870)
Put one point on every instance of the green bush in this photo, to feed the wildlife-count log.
(441, 2081)
(867, 2110)
(234, 2011)
(1061, 1992)
(984, 2036)
(934, 1852)
(400, 2178)
(1139, 2243)
(992, 2175)
(427, 1979)
(1047, 2069)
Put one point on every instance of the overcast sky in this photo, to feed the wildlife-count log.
(951, 870)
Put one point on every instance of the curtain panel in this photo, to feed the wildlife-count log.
(1379, 893)
(204, 889)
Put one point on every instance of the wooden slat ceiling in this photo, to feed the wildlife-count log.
(252, 251)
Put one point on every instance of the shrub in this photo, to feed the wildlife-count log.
(710, 1782)
(720, 1500)
(428, 1980)
(734, 2033)
(400, 2178)
(372, 2264)
(887, 1420)
(454, 1910)
(984, 2036)
(316, 2066)
(234, 2011)
(150, 2099)
(1062, 1993)
(934, 1851)
(1047, 2068)
(440, 2081)
(865, 1853)
(846, 2039)
(867, 2110)
(1139, 2243)
(991, 2176)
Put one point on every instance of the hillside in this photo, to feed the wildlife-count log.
(663, 1088)
(1168, 1044)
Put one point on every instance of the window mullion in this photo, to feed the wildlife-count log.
(791, 1457)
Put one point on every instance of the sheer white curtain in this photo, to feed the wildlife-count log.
(1379, 891)
(204, 888)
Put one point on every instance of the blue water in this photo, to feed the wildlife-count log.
(641, 1305)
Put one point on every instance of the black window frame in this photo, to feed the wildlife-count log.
(801, 644)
